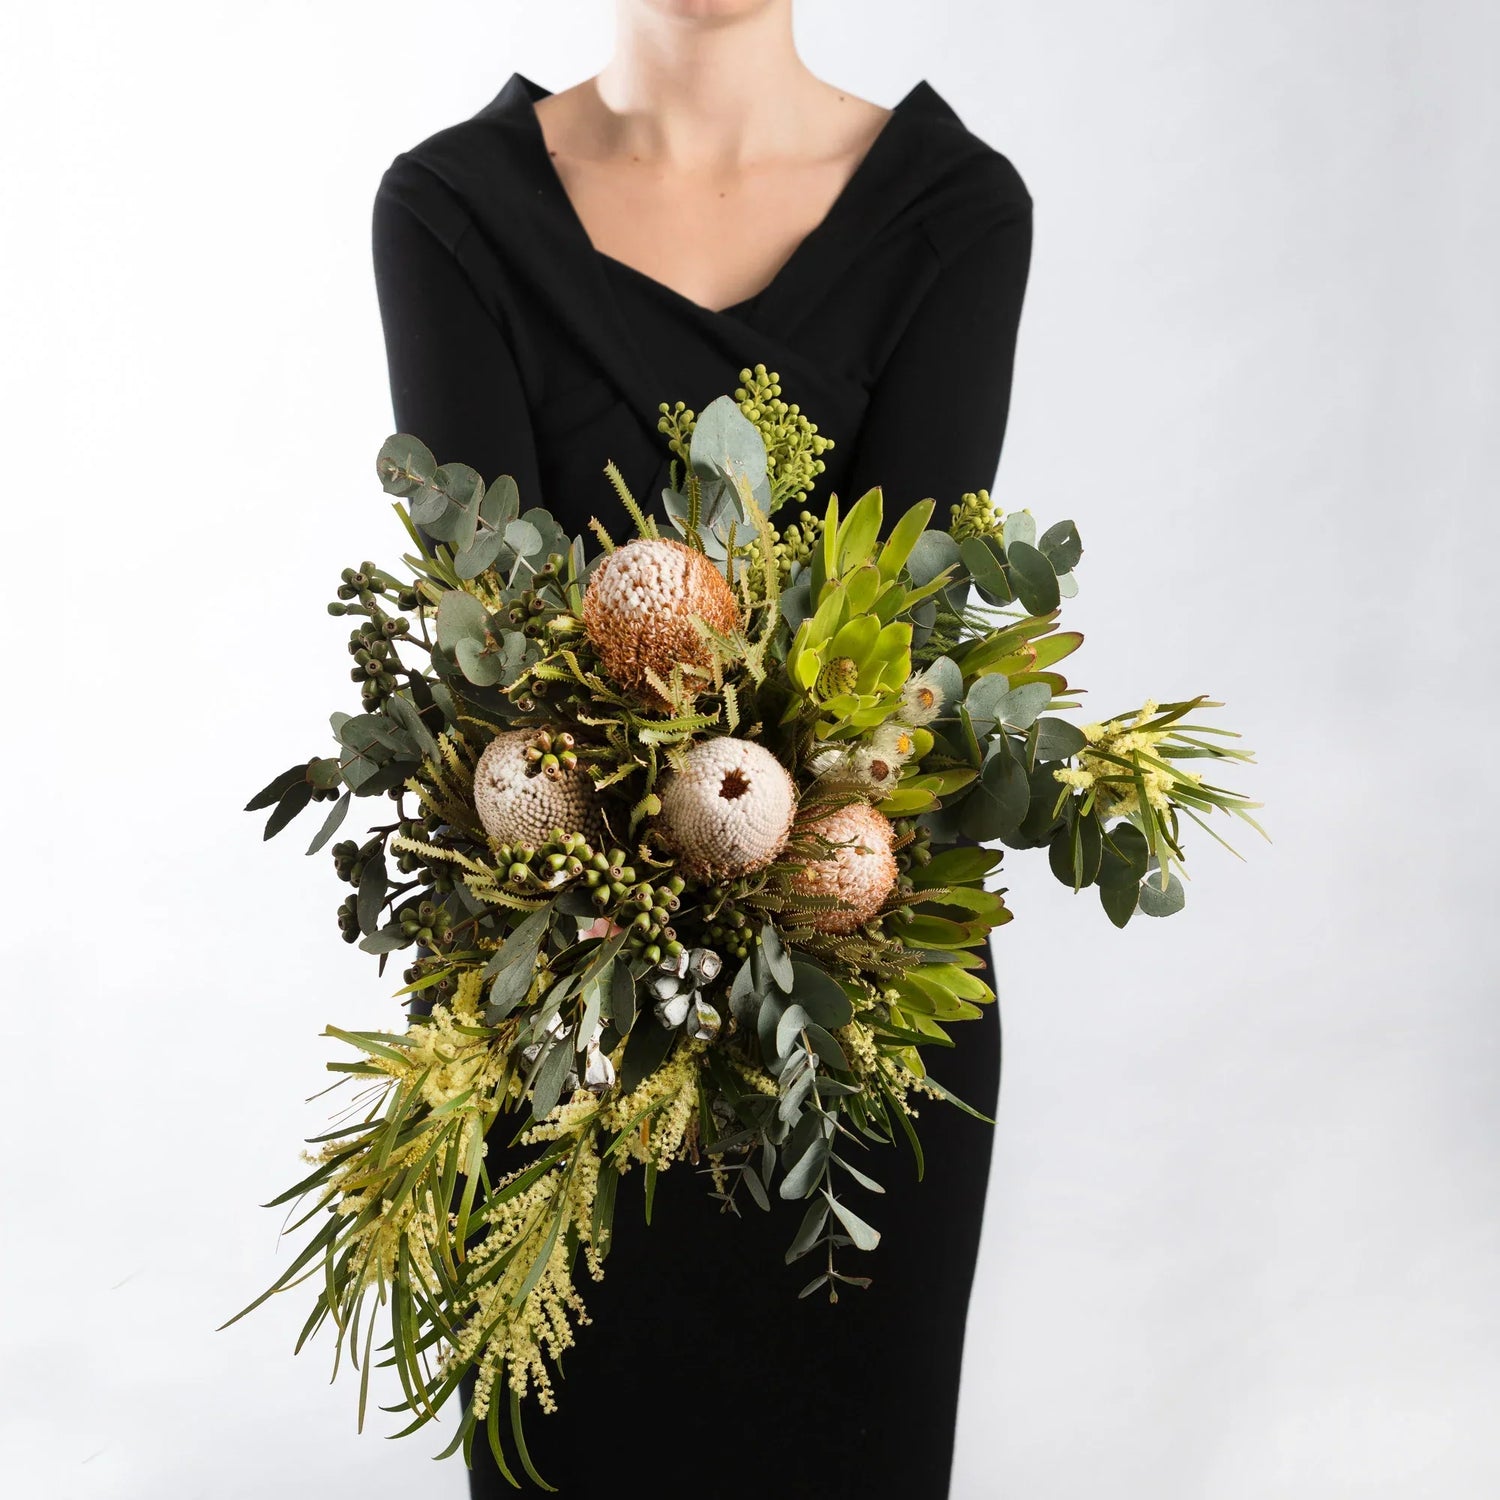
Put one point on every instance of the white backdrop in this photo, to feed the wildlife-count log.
(1242, 1228)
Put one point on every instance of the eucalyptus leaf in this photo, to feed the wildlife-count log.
(1019, 527)
(1034, 579)
(404, 465)
(336, 815)
(373, 885)
(1155, 902)
(1019, 708)
(1119, 900)
(524, 538)
(1061, 546)
(820, 995)
(460, 617)
(725, 440)
(809, 1230)
(547, 1086)
(934, 551)
(1057, 739)
(802, 1176)
(293, 800)
(776, 957)
(865, 1236)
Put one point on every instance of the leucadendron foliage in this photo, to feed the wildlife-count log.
(579, 992)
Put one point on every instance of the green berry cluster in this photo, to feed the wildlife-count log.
(642, 906)
(794, 446)
(796, 543)
(976, 515)
(366, 590)
(547, 866)
(730, 932)
(551, 754)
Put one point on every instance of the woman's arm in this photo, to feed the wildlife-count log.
(937, 414)
(454, 382)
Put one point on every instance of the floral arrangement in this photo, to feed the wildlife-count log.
(685, 862)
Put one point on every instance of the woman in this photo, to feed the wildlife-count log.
(550, 270)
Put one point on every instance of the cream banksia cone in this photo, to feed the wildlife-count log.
(519, 805)
(860, 873)
(727, 811)
(640, 606)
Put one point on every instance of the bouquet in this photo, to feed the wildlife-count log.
(685, 863)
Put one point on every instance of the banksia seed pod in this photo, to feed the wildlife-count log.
(518, 804)
(640, 605)
(861, 873)
(728, 810)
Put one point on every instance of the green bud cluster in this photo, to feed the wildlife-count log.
(424, 921)
(796, 543)
(349, 858)
(562, 858)
(551, 754)
(364, 591)
(349, 919)
(976, 515)
(794, 446)
(643, 907)
(531, 608)
(730, 932)
(841, 675)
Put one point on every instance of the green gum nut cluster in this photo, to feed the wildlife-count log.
(642, 907)
(852, 653)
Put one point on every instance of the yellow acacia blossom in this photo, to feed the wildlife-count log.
(1115, 788)
(659, 1110)
(529, 1235)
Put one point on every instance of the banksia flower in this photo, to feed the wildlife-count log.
(728, 810)
(861, 872)
(520, 804)
(640, 607)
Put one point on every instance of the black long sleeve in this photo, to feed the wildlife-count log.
(454, 381)
(947, 383)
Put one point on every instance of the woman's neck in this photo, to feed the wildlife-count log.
(700, 94)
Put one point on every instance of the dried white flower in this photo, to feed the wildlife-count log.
(516, 806)
(640, 606)
(727, 810)
(860, 872)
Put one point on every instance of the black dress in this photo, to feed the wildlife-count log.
(516, 347)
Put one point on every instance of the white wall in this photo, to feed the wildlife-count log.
(1243, 1220)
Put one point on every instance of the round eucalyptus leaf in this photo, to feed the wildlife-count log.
(1057, 739)
(501, 503)
(481, 554)
(483, 669)
(1061, 546)
(1035, 582)
(1019, 527)
(524, 538)
(404, 465)
(460, 617)
(1155, 902)
(934, 551)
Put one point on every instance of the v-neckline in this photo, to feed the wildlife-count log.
(845, 202)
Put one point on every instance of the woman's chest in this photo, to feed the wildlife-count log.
(716, 240)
